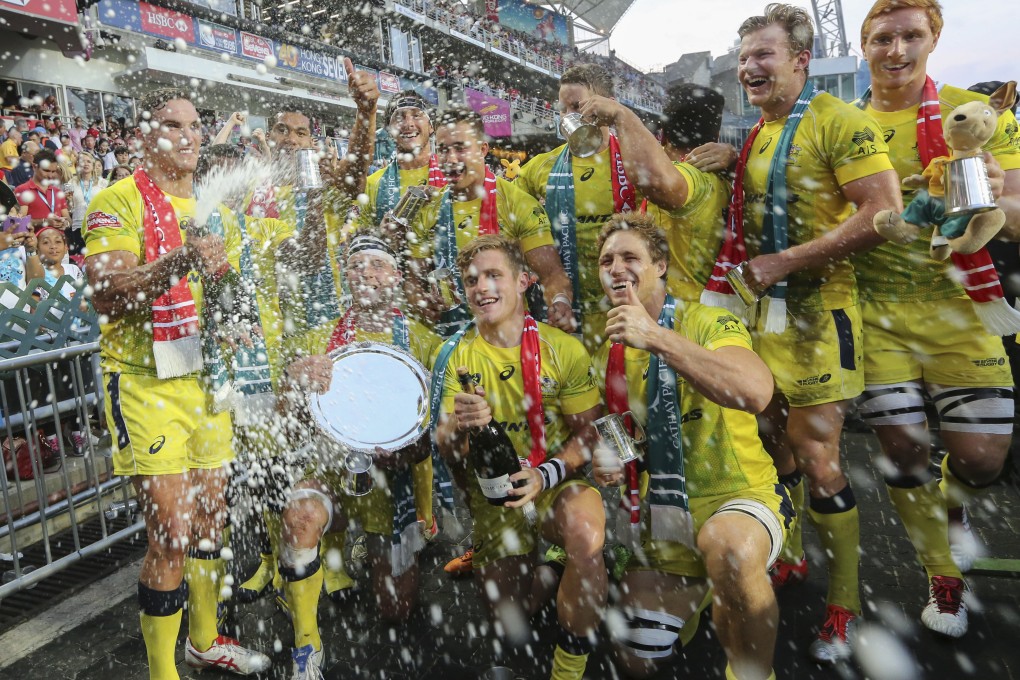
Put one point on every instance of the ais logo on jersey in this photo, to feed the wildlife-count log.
(587, 174)
(865, 141)
(506, 373)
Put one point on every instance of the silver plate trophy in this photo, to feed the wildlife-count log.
(968, 190)
(612, 431)
(378, 397)
(583, 139)
(748, 294)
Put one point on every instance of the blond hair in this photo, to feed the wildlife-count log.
(642, 225)
(795, 21)
(508, 247)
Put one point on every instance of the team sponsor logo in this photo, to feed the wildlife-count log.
(593, 219)
(815, 380)
(157, 444)
(990, 361)
(728, 322)
(865, 141)
(506, 373)
(465, 224)
(101, 220)
(889, 134)
(587, 174)
(693, 414)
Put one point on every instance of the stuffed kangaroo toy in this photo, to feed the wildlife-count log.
(966, 129)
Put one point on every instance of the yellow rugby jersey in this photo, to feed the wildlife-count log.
(905, 273)
(408, 178)
(694, 232)
(115, 221)
(593, 203)
(519, 215)
(266, 235)
(423, 342)
(567, 385)
(722, 451)
(835, 144)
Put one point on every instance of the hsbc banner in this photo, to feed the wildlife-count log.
(143, 17)
(495, 112)
(167, 23)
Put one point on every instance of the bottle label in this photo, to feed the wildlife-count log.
(495, 488)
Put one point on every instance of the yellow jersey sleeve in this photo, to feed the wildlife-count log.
(521, 217)
(712, 327)
(578, 392)
(854, 142)
(113, 221)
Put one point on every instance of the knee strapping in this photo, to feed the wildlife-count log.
(896, 404)
(652, 634)
(765, 517)
(985, 410)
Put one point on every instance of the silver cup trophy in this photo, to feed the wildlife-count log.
(968, 190)
(307, 175)
(747, 293)
(583, 139)
(612, 431)
(356, 473)
(409, 205)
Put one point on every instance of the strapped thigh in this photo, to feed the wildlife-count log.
(895, 404)
(984, 410)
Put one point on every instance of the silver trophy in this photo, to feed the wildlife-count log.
(612, 430)
(747, 293)
(356, 474)
(306, 169)
(409, 205)
(968, 190)
(583, 139)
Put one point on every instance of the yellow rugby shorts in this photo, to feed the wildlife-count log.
(678, 559)
(164, 427)
(818, 359)
(939, 342)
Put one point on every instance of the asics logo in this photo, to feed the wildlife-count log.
(587, 174)
(506, 373)
(765, 145)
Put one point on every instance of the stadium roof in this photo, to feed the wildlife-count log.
(602, 15)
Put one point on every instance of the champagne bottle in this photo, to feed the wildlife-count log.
(493, 456)
(225, 291)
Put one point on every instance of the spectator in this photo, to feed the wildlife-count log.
(24, 171)
(9, 149)
(83, 189)
(77, 132)
(19, 260)
(88, 145)
(118, 173)
(43, 195)
(67, 155)
(120, 155)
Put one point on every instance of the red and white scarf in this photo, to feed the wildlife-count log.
(618, 401)
(718, 292)
(531, 372)
(976, 271)
(176, 343)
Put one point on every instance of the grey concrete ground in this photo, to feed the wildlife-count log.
(449, 639)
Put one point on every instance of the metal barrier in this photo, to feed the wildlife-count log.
(51, 379)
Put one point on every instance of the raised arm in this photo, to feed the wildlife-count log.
(645, 161)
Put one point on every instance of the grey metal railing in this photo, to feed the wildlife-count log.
(51, 384)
